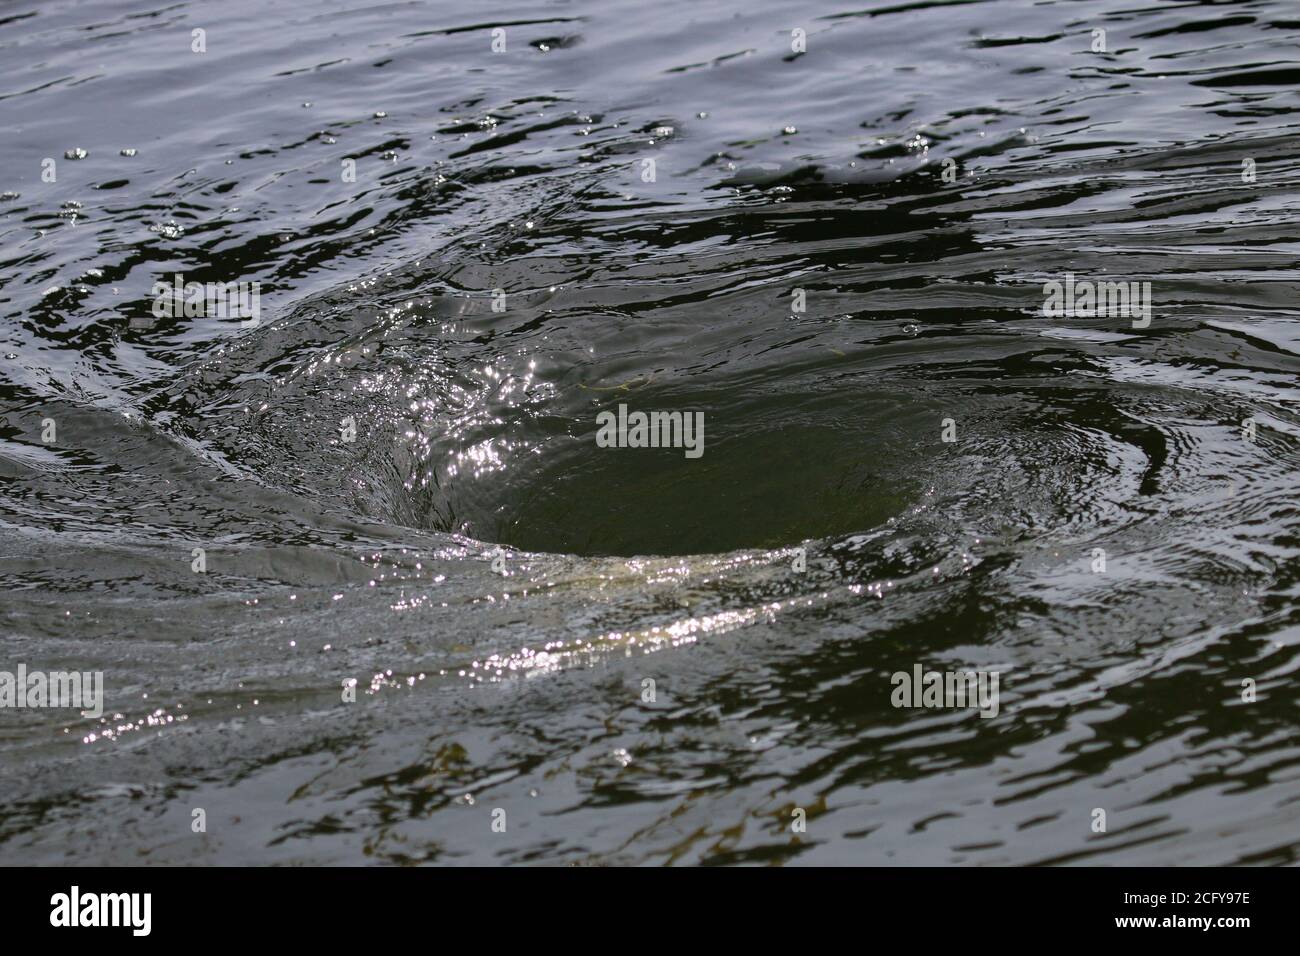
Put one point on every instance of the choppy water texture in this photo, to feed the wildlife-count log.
(774, 170)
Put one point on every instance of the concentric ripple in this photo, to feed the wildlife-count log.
(835, 256)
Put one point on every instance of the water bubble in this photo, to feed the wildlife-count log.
(168, 230)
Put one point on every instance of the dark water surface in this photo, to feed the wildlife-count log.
(523, 171)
